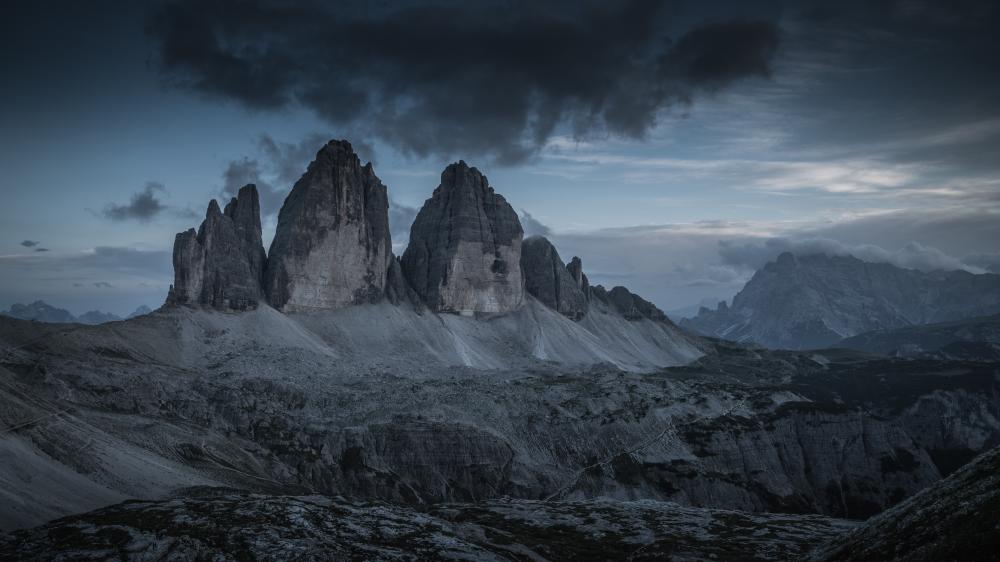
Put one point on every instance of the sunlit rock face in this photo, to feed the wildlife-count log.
(549, 280)
(332, 246)
(465, 247)
(222, 264)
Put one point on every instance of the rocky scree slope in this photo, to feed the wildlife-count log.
(812, 301)
(266, 402)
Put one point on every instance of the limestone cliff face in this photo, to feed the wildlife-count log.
(222, 264)
(549, 280)
(465, 247)
(332, 246)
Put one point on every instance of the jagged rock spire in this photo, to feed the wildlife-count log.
(222, 264)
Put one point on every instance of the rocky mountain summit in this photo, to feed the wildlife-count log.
(800, 302)
(221, 265)
(332, 247)
(464, 253)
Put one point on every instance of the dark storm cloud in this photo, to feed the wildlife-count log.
(143, 207)
(444, 78)
(30, 243)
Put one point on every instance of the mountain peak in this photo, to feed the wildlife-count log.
(332, 246)
(800, 302)
(464, 253)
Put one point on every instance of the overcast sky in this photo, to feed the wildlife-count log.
(673, 146)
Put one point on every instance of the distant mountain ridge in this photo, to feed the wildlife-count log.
(41, 311)
(971, 338)
(801, 302)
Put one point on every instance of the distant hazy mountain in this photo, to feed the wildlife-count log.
(41, 311)
(815, 301)
(141, 311)
(691, 310)
(97, 317)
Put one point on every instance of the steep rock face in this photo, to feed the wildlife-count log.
(549, 280)
(465, 247)
(801, 302)
(332, 246)
(222, 264)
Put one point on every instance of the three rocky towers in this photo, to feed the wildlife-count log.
(332, 248)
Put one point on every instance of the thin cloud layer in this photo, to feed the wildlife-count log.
(754, 254)
(458, 78)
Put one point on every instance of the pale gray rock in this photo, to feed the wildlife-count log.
(222, 264)
(332, 246)
(802, 302)
(549, 280)
(464, 253)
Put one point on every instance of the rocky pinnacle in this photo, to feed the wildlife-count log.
(222, 264)
(548, 279)
(464, 253)
(332, 246)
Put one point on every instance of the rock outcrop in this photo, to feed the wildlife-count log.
(222, 264)
(575, 268)
(464, 253)
(628, 304)
(332, 247)
(811, 301)
(550, 281)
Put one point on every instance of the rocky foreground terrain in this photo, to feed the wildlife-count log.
(813, 301)
(214, 525)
